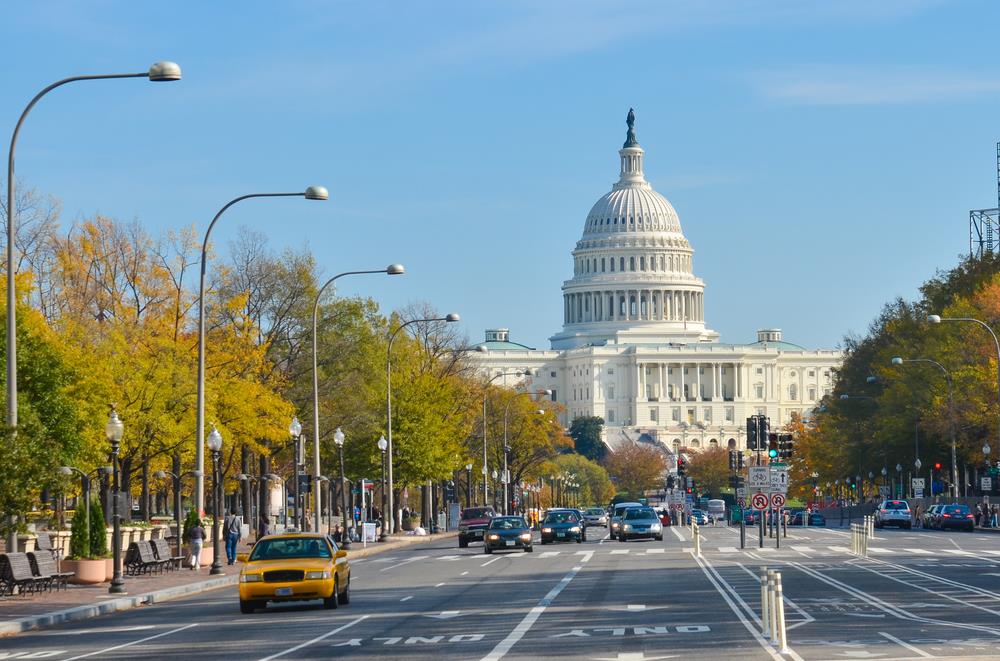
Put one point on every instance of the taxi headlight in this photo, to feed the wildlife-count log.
(575, 529)
(315, 575)
(655, 526)
(627, 526)
(494, 537)
(546, 529)
(249, 578)
(526, 536)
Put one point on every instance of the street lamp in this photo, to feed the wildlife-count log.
(295, 431)
(899, 480)
(338, 438)
(177, 499)
(506, 448)
(215, 445)
(382, 445)
(468, 485)
(449, 318)
(951, 414)
(159, 72)
(392, 269)
(114, 430)
(85, 489)
(937, 319)
(310, 193)
(486, 391)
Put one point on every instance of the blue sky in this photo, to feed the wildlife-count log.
(822, 156)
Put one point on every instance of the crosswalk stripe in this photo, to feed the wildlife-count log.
(802, 549)
(650, 551)
(918, 551)
(449, 557)
(839, 549)
(620, 552)
(549, 554)
(727, 549)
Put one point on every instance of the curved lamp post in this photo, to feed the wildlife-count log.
(177, 499)
(311, 193)
(392, 269)
(338, 438)
(295, 431)
(159, 72)
(937, 319)
(114, 431)
(896, 360)
(506, 448)
(450, 318)
(382, 445)
(215, 445)
(486, 392)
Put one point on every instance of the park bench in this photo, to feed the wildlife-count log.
(42, 564)
(44, 543)
(162, 550)
(16, 574)
(140, 559)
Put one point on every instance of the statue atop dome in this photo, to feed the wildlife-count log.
(630, 140)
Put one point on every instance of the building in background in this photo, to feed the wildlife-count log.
(635, 348)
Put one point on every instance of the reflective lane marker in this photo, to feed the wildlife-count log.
(620, 552)
(525, 625)
(407, 598)
(134, 642)
(677, 533)
(489, 562)
(906, 645)
(314, 640)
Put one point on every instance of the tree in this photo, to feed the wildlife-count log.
(595, 484)
(635, 468)
(586, 433)
(710, 470)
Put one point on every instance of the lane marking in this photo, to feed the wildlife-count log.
(525, 624)
(464, 573)
(549, 554)
(587, 555)
(407, 598)
(651, 551)
(677, 533)
(906, 645)
(620, 552)
(315, 640)
(134, 642)
(404, 562)
(489, 562)
(439, 585)
(727, 549)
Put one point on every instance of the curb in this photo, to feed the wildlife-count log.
(88, 611)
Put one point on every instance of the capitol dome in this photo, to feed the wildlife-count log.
(633, 278)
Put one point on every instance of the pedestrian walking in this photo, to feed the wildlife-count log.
(232, 527)
(196, 539)
(994, 514)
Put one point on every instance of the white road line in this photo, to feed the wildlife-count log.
(407, 598)
(716, 581)
(802, 549)
(134, 642)
(587, 555)
(314, 640)
(549, 554)
(677, 533)
(727, 549)
(439, 585)
(839, 549)
(464, 573)
(529, 620)
(489, 562)
(619, 552)
(923, 551)
(650, 551)
(906, 645)
(404, 562)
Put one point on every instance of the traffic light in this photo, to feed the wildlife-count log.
(733, 461)
(752, 432)
(740, 461)
(670, 481)
(785, 446)
(937, 465)
(449, 492)
(681, 467)
(772, 446)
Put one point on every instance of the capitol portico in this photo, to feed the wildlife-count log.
(635, 349)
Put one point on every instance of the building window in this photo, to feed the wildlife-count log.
(611, 370)
(707, 415)
(552, 374)
(553, 396)
(761, 411)
(612, 264)
(588, 393)
(574, 394)
(675, 414)
(611, 415)
(602, 265)
(677, 445)
(691, 412)
(812, 372)
(729, 413)
(758, 391)
(642, 263)
(631, 263)
(611, 392)
(649, 391)
(812, 394)
(621, 263)
(793, 392)
(670, 370)
(652, 414)
(723, 371)
(792, 373)
(760, 370)
(701, 370)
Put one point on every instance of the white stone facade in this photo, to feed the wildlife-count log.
(635, 349)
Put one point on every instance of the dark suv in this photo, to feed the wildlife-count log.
(473, 524)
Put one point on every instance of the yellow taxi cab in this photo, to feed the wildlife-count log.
(294, 566)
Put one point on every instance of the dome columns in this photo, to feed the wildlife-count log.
(633, 304)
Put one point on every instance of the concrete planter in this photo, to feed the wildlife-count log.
(145, 534)
(87, 572)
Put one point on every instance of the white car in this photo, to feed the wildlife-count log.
(893, 513)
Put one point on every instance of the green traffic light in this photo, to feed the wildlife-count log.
(772, 453)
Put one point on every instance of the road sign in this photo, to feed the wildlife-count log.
(759, 501)
(778, 500)
(741, 492)
(741, 502)
(778, 479)
(917, 482)
(987, 483)
(758, 478)
(918, 492)
(883, 492)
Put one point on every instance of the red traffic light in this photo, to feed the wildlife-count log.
(689, 490)
(937, 466)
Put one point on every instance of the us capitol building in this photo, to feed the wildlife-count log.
(634, 348)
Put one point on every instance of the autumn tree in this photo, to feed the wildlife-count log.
(596, 488)
(709, 468)
(635, 468)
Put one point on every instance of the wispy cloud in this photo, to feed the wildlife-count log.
(828, 86)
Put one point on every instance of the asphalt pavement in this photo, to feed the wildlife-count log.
(919, 595)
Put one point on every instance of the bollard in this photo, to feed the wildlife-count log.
(765, 626)
(743, 532)
(696, 534)
(864, 543)
(779, 602)
(772, 614)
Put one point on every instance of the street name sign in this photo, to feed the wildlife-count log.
(759, 478)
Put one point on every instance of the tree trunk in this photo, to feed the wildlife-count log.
(147, 501)
(246, 505)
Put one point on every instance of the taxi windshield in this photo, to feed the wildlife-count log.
(290, 547)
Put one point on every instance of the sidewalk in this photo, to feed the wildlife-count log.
(79, 602)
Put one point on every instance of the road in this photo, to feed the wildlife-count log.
(920, 595)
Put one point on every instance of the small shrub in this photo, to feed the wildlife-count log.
(79, 541)
(98, 532)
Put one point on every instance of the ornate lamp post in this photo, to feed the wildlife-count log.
(114, 431)
(338, 438)
(215, 445)
(382, 446)
(177, 499)
(468, 485)
(295, 430)
(899, 480)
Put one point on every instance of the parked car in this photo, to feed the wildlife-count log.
(700, 517)
(614, 521)
(815, 518)
(510, 533)
(927, 518)
(640, 522)
(893, 513)
(751, 516)
(561, 526)
(473, 523)
(954, 516)
(595, 516)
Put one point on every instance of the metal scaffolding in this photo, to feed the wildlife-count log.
(984, 225)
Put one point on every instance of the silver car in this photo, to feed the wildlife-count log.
(595, 516)
(893, 513)
(640, 522)
(614, 521)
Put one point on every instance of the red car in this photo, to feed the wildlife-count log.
(473, 524)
